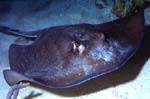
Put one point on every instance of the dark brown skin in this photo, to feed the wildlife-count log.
(66, 56)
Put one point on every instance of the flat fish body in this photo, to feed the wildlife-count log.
(66, 56)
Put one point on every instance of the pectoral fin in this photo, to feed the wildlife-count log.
(13, 77)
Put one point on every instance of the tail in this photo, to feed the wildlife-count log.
(15, 32)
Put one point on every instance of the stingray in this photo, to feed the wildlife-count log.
(66, 56)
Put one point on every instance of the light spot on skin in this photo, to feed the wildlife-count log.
(108, 51)
(103, 50)
(74, 46)
(100, 52)
(81, 49)
(81, 64)
(87, 69)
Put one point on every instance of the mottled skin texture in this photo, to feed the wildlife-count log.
(65, 56)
